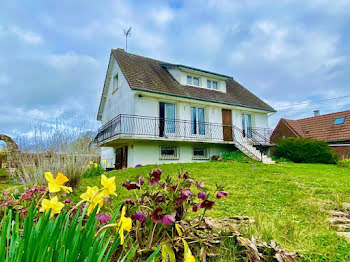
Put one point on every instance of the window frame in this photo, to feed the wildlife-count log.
(192, 80)
(212, 84)
(175, 156)
(342, 119)
(115, 83)
(205, 155)
(196, 125)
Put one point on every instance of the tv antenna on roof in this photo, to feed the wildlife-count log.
(127, 33)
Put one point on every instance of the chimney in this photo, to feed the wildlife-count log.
(316, 112)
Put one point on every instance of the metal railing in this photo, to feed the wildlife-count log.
(261, 134)
(155, 127)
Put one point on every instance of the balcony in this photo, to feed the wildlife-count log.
(144, 127)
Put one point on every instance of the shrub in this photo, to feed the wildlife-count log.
(344, 163)
(305, 150)
(93, 169)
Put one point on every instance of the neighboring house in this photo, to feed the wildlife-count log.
(332, 128)
(154, 112)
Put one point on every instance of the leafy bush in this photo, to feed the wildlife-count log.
(3, 171)
(344, 163)
(305, 150)
(235, 155)
(280, 159)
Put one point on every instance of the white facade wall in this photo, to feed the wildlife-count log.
(148, 152)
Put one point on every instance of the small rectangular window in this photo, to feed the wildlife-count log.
(189, 80)
(168, 152)
(339, 120)
(215, 85)
(115, 83)
(209, 84)
(195, 81)
(200, 153)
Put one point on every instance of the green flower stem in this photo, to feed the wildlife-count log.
(41, 199)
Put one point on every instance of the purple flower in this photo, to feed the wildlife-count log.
(221, 194)
(167, 219)
(178, 202)
(207, 204)
(156, 216)
(129, 201)
(196, 207)
(154, 177)
(140, 216)
(67, 201)
(131, 185)
(200, 185)
(160, 198)
(4, 204)
(254, 167)
(185, 193)
(103, 218)
(202, 195)
(138, 165)
(185, 175)
(141, 180)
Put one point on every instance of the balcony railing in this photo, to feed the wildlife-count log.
(155, 127)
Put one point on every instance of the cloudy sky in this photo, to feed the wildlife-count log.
(54, 54)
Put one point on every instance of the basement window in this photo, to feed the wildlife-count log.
(169, 152)
(339, 120)
(200, 153)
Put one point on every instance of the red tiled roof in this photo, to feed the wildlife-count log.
(322, 127)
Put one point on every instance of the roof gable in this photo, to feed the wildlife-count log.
(150, 75)
(322, 127)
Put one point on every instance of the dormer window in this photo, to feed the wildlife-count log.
(192, 80)
(212, 84)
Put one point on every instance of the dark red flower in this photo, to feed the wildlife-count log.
(185, 193)
(154, 177)
(196, 207)
(129, 201)
(140, 216)
(185, 175)
(156, 216)
(202, 195)
(173, 187)
(221, 194)
(67, 201)
(207, 204)
(141, 180)
(131, 185)
(103, 218)
(178, 202)
(160, 198)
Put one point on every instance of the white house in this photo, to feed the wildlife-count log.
(154, 112)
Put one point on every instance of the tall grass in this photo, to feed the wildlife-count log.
(55, 149)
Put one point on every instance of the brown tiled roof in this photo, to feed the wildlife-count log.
(148, 74)
(322, 127)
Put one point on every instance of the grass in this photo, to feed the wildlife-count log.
(289, 202)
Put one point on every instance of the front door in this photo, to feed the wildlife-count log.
(227, 124)
(121, 158)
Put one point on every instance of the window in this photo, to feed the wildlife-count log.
(212, 84)
(200, 153)
(168, 152)
(115, 83)
(339, 120)
(198, 121)
(194, 81)
(247, 125)
(167, 118)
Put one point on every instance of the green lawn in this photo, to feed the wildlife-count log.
(290, 202)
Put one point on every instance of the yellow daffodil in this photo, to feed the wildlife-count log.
(108, 165)
(94, 197)
(89, 167)
(56, 185)
(91, 163)
(95, 165)
(109, 186)
(187, 254)
(104, 161)
(125, 223)
(52, 204)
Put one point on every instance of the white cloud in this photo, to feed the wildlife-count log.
(163, 15)
(26, 36)
(69, 60)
